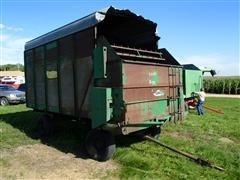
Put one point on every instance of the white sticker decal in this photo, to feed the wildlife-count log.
(158, 93)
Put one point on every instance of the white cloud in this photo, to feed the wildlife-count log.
(10, 28)
(14, 28)
(223, 65)
(3, 37)
(2, 26)
(11, 46)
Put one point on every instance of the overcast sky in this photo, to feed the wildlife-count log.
(204, 33)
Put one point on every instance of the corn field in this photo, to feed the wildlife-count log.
(222, 85)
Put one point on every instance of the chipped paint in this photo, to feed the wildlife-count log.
(124, 77)
(145, 109)
(158, 107)
(158, 93)
(153, 78)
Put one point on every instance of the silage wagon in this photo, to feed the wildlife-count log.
(193, 78)
(105, 68)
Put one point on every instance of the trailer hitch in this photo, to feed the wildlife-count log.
(198, 160)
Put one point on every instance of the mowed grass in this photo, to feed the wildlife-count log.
(18, 126)
(215, 137)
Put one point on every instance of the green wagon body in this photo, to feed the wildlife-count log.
(192, 79)
(87, 70)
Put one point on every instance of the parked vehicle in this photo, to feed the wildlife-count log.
(13, 81)
(10, 95)
(22, 87)
(105, 68)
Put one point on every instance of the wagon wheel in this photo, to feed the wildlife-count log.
(45, 126)
(4, 101)
(100, 145)
(154, 131)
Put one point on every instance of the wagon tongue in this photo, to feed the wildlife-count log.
(132, 54)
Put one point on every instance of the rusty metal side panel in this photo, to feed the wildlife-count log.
(140, 112)
(151, 92)
(29, 73)
(40, 78)
(143, 82)
(84, 85)
(52, 77)
(84, 45)
(175, 91)
(143, 75)
(66, 53)
(145, 92)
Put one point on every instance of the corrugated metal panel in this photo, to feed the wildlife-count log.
(40, 78)
(83, 68)
(52, 76)
(29, 70)
(66, 49)
(84, 85)
(145, 91)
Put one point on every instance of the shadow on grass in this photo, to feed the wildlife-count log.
(68, 136)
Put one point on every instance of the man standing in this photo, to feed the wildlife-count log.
(201, 100)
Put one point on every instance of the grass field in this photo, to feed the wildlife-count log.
(215, 137)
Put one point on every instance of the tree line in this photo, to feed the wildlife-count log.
(12, 67)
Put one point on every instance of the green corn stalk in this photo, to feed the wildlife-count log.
(222, 85)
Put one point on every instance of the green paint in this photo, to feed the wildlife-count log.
(98, 63)
(124, 77)
(145, 109)
(101, 97)
(192, 80)
(153, 78)
(51, 45)
(53, 109)
(100, 103)
(40, 52)
(118, 104)
(149, 123)
(41, 106)
(158, 107)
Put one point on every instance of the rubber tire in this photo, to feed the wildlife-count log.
(4, 101)
(45, 126)
(154, 131)
(100, 145)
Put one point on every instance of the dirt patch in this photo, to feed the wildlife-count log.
(225, 140)
(44, 162)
